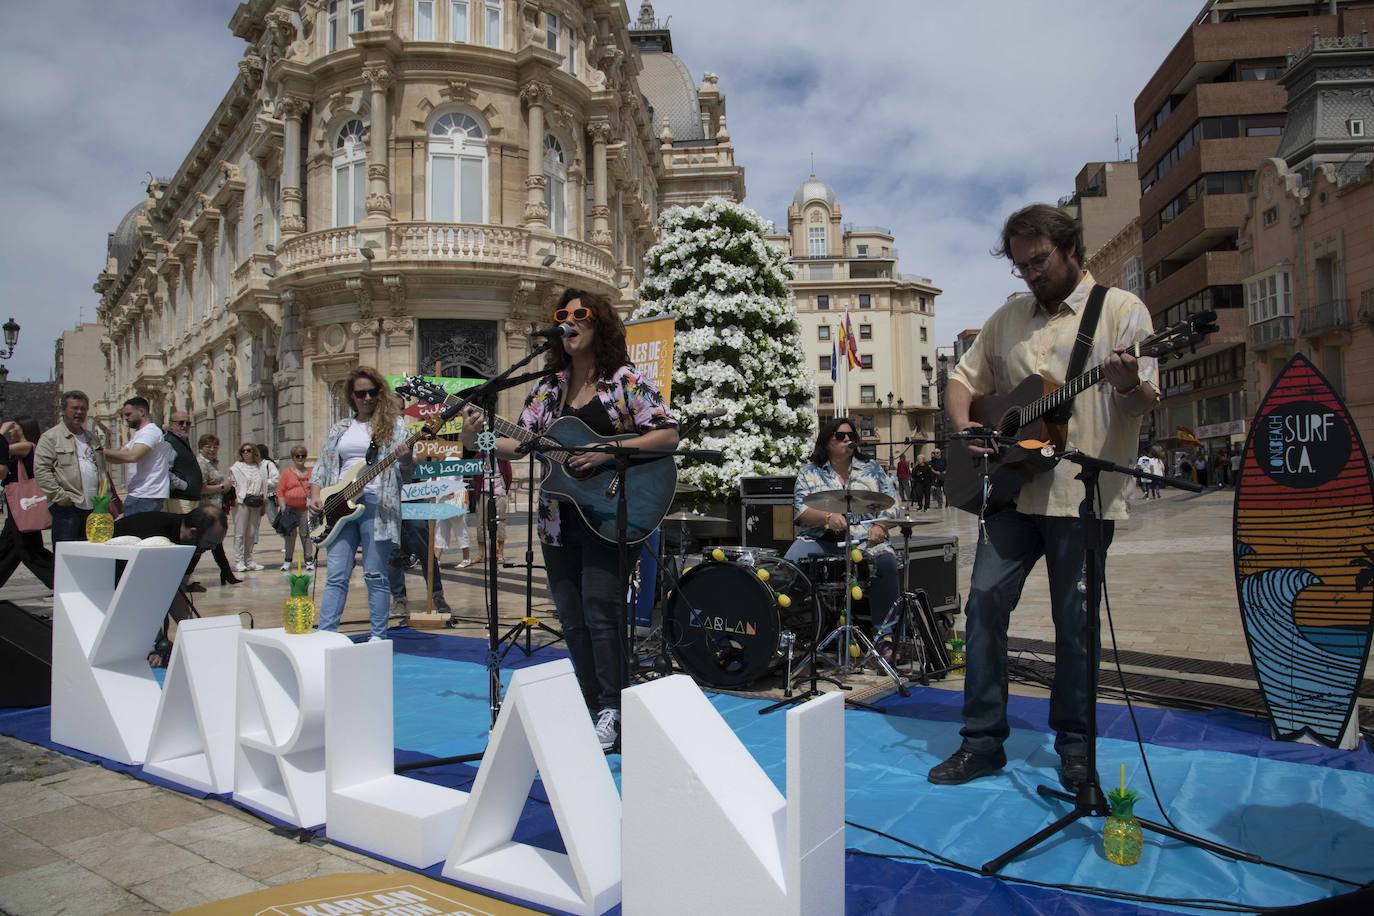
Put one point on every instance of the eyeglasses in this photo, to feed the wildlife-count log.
(366, 393)
(300, 455)
(247, 451)
(181, 422)
(843, 436)
(576, 313)
(1033, 266)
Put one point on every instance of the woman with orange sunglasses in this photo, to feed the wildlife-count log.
(594, 381)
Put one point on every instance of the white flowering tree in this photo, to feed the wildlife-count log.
(738, 343)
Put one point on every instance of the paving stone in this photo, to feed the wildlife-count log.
(331, 865)
(92, 780)
(19, 800)
(283, 860)
(163, 810)
(240, 848)
(61, 888)
(68, 824)
(19, 852)
(128, 857)
(202, 883)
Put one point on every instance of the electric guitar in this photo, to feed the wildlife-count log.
(650, 484)
(1021, 414)
(342, 502)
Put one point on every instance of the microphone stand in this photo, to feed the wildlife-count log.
(529, 623)
(487, 392)
(1090, 801)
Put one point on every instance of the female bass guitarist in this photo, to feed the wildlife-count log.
(370, 433)
(594, 382)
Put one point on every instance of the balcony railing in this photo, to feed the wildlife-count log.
(1324, 317)
(1367, 306)
(317, 249)
(1272, 331)
(457, 242)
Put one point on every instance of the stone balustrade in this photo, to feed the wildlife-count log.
(416, 241)
(319, 249)
(584, 260)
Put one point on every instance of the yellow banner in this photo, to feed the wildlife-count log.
(650, 343)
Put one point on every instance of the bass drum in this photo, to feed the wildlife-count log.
(724, 621)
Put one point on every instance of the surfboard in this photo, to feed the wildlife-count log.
(1303, 526)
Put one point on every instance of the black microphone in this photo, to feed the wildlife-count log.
(556, 333)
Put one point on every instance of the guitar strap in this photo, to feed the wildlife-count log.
(1082, 346)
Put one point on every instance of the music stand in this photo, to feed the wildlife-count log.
(1089, 801)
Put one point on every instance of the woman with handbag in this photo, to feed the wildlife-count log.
(214, 491)
(293, 519)
(20, 540)
(250, 486)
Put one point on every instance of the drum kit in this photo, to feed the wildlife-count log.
(733, 615)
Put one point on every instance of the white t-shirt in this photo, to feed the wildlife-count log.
(151, 478)
(90, 474)
(353, 446)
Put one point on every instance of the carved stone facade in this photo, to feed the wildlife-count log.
(390, 196)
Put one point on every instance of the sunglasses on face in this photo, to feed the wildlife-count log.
(181, 422)
(364, 394)
(845, 437)
(246, 451)
(576, 313)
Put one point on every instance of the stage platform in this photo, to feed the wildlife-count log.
(1217, 772)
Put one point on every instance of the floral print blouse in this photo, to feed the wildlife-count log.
(326, 474)
(863, 475)
(631, 400)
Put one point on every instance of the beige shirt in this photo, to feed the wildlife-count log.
(1021, 339)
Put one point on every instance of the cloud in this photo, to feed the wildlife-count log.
(936, 119)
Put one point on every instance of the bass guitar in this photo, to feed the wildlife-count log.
(1021, 415)
(651, 484)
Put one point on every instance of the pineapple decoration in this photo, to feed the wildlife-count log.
(298, 613)
(1121, 837)
(956, 654)
(100, 524)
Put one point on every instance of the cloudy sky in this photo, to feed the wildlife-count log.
(933, 118)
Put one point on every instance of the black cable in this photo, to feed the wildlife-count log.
(1144, 758)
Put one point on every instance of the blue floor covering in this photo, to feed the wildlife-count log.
(1219, 774)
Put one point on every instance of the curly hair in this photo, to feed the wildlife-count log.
(608, 347)
(828, 429)
(383, 421)
(1042, 219)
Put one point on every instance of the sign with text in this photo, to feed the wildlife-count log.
(438, 450)
(417, 412)
(436, 488)
(461, 467)
(431, 511)
(650, 344)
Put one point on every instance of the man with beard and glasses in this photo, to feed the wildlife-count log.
(1035, 334)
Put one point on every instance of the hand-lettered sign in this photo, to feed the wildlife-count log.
(462, 467)
(417, 412)
(437, 488)
(435, 511)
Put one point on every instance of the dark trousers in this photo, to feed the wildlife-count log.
(1015, 542)
(921, 496)
(68, 524)
(584, 577)
(24, 547)
(414, 542)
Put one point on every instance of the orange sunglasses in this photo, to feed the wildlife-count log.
(576, 313)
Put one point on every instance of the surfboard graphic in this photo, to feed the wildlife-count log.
(1304, 554)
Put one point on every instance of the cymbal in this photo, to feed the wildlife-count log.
(860, 502)
(900, 522)
(686, 488)
(685, 516)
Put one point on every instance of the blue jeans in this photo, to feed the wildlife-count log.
(351, 534)
(1014, 544)
(136, 504)
(68, 524)
(884, 588)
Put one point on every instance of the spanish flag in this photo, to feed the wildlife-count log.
(851, 349)
(1186, 437)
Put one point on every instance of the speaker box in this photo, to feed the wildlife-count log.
(768, 523)
(25, 657)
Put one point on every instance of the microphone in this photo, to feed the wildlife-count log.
(556, 333)
(711, 414)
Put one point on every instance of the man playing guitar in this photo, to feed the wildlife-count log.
(1030, 334)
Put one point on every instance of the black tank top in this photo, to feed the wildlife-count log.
(594, 414)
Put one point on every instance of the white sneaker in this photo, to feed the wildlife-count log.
(608, 728)
(255, 566)
(374, 639)
(286, 566)
(310, 567)
(239, 567)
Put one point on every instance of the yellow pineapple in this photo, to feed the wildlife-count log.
(298, 613)
(99, 524)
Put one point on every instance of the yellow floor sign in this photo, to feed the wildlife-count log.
(398, 894)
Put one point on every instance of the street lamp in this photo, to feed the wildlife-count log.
(11, 338)
(892, 410)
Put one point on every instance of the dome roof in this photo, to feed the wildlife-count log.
(124, 240)
(814, 189)
(667, 84)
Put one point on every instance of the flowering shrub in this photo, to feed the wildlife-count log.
(738, 343)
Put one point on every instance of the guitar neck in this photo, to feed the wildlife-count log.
(1068, 391)
(375, 469)
(503, 427)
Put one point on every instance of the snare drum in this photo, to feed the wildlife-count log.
(725, 619)
(827, 572)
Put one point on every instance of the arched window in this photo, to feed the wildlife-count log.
(556, 184)
(457, 169)
(350, 172)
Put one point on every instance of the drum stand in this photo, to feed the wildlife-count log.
(913, 619)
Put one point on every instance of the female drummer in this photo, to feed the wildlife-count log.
(839, 460)
(595, 382)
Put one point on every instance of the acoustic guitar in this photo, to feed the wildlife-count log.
(1022, 414)
(650, 484)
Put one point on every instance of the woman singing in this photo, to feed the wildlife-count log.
(374, 428)
(837, 459)
(596, 383)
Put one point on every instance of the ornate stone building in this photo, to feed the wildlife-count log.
(893, 394)
(407, 184)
